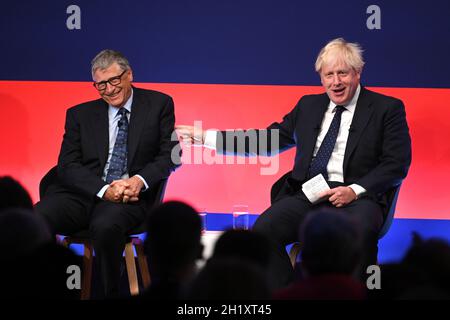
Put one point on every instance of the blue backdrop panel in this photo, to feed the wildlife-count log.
(242, 42)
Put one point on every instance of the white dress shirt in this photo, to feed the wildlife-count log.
(335, 167)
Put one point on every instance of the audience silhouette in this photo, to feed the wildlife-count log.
(243, 244)
(13, 194)
(423, 273)
(33, 265)
(172, 246)
(330, 255)
(229, 278)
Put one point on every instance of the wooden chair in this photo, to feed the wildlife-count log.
(133, 242)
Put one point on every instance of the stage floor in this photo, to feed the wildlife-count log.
(391, 248)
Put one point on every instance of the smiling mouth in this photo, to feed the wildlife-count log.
(114, 95)
(338, 90)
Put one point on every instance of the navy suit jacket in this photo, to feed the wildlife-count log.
(84, 149)
(378, 151)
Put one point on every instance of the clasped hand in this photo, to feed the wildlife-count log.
(124, 190)
(340, 196)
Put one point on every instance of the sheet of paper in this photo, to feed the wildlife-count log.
(313, 187)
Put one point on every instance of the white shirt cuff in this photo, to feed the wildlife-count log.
(357, 189)
(143, 180)
(102, 191)
(210, 139)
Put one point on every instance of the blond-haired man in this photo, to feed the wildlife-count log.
(358, 140)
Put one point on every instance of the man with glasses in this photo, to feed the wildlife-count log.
(114, 149)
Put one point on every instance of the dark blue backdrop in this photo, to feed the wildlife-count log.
(242, 42)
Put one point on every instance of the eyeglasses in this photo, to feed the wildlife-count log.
(114, 81)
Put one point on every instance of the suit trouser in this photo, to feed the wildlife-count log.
(281, 223)
(108, 224)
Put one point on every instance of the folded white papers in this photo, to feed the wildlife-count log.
(314, 187)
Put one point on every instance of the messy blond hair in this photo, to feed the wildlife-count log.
(339, 49)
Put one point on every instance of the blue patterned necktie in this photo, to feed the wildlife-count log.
(118, 161)
(320, 162)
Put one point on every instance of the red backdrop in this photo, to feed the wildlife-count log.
(33, 121)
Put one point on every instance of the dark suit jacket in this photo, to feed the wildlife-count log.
(84, 149)
(378, 151)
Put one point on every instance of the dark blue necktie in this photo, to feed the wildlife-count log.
(320, 162)
(118, 161)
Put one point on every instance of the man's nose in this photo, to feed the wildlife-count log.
(336, 79)
(109, 88)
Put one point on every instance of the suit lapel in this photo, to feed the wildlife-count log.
(139, 111)
(363, 112)
(100, 129)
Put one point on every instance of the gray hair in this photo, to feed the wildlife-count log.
(106, 58)
(350, 53)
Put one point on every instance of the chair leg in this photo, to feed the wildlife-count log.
(131, 269)
(87, 272)
(64, 242)
(143, 266)
(293, 253)
(87, 267)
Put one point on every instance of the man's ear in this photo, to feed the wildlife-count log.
(130, 75)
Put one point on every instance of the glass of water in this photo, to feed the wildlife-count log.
(241, 218)
(203, 216)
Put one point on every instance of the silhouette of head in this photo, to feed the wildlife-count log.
(13, 194)
(173, 238)
(32, 265)
(229, 278)
(243, 244)
(21, 232)
(330, 243)
(431, 256)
